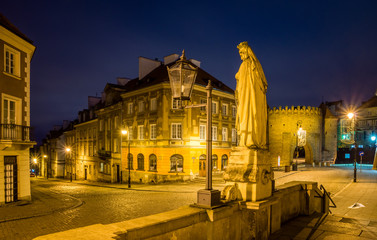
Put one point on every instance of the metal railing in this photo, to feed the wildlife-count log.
(14, 132)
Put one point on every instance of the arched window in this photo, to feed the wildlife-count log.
(202, 162)
(214, 161)
(176, 163)
(152, 162)
(224, 162)
(130, 161)
(140, 161)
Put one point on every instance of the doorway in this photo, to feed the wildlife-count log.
(299, 155)
(11, 183)
(86, 174)
(118, 173)
(202, 166)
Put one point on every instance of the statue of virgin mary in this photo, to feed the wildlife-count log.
(251, 120)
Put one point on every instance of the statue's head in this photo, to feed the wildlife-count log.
(244, 50)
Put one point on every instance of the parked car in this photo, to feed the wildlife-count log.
(32, 174)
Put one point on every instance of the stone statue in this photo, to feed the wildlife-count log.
(251, 121)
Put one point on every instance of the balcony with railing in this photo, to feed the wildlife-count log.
(15, 132)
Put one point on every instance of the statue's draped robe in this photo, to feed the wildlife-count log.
(251, 121)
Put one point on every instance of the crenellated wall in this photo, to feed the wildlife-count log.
(283, 126)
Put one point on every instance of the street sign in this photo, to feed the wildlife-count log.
(361, 153)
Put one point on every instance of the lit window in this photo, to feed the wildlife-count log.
(101, 167)
(152, 162)
(224, 110)
(11, 110)
(214, 108)
(130, 108)
(214, 133)
(202, 132)
(203, 101)
(141, 106)
(11, 61)
(360, 146)
(176, 131)
(234, 135)
(176, 104)
(176, 163)
(140, 130)
(153, 130)
(225, 134)
(140, 161)
(347, 155)
(153, 106)
(130, 133)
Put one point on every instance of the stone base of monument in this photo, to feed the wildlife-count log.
(249, 173)
(208, 198)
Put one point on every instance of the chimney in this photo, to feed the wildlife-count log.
(196, 62)
(146, 66)
(171, 58)
(92, 101)
(122, 81)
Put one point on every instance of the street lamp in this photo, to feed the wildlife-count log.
(44, 164)
(182, 76)
(124, 132)
(352, 117)
(68, 150)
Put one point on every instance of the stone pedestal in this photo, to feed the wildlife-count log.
(208, 198)
(250, 171)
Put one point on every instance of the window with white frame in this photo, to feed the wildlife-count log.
(130, 133)
(176, 104)
(176, 131)
(140, 131)
(141, 106)
(214, 108)
(130, 108)
(234, 111)
(202, 132)
(153, 131)
(11, 110)
(224, 109)
(203, 101)
(225, 134)
(11, 61)
(234, 135)
(214, 133)
(153, 106)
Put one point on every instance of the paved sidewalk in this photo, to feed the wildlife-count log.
(46, 203)
(355, 216)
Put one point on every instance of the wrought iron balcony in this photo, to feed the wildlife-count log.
(104, 154)
(15, 132)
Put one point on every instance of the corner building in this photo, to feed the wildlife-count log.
(16, 52)
(165, 141)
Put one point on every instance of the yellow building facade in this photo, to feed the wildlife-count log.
(16, 52)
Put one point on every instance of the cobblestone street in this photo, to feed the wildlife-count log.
(59, 205)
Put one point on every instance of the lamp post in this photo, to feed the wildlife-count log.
(35, 163)
(352, 117)
(45, 162)
(68, 150)
(123, 133)
(182, 76)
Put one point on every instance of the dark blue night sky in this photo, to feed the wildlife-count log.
(310, 50)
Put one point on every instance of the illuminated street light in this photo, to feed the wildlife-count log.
(373, 138)
(124, 132)
(35, 160)
(352, 116)
(68, 150)
(182, 76)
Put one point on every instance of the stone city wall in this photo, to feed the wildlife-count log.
(282, 128)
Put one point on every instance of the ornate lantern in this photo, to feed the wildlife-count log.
(182, 76)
